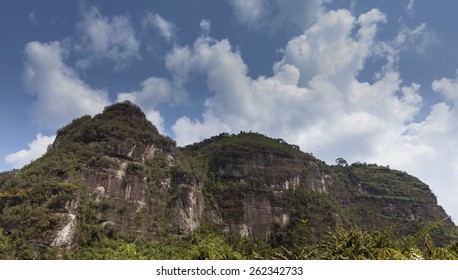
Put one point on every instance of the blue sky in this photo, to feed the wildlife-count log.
(369, 81)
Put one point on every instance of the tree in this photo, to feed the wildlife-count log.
(341, 162)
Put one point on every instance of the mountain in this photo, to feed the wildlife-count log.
(114, 176)
(284, 194)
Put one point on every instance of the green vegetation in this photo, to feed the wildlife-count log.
(391, 198)
(341, 244)
(135, 195)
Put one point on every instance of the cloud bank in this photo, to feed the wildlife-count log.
(314, 97)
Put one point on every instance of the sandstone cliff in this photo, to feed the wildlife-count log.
(114, 174)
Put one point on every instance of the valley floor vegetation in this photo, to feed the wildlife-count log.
(340, 244)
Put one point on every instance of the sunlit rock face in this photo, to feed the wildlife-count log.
(115, 173)
(133, 182)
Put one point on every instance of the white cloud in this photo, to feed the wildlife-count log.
(226, 78)
(303, 94)
(410, 8)
(60, 94)
(417, 39)
(427, 149)
(205, 26)
(314, 99)
(154, 91)
(298, 13)
(166, 29)
(36, 149)
(190, 131)
(106, 38)
(250, 12)
(327, 47)
(448, 88)
(271, 15)
(156, 119)
(178, 61)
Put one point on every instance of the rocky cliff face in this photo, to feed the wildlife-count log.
(249, 175)
(116, 174)
(128, 180)
(133, 181)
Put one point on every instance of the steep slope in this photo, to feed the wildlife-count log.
(113, 175)
(379, 197)
(278, 192)
(255, 181)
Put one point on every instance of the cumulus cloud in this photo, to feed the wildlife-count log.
(106, 38)
(165, 28)
(327, 47)
(314, 99)
(60, 94)
(35, 150)
(282, 104)
(271, 15)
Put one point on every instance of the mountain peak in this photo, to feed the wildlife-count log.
(118, 122)
(120, 130)
(125, 109)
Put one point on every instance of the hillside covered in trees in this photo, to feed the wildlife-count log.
(112, 187)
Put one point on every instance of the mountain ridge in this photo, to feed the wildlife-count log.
(114, 175)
